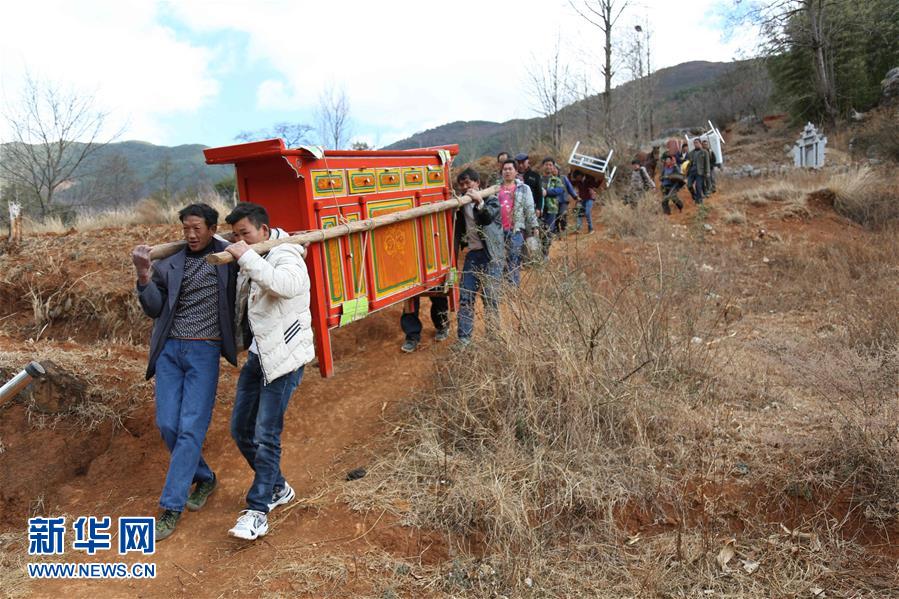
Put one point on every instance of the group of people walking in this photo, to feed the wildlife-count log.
(261, 304)
(529, 210)
(693, 169)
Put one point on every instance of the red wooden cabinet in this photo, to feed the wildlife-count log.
(305, 189)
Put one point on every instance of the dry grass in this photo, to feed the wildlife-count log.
(13, 578)
(110, 393)
(543, 435)
(56, 293)
(622, 221)
(794, 208)
(734, 217)
(868, 197)
(860, 390)
(374, 574)
(792, 190)
(592, 446)
(144, 212)
(850, 284)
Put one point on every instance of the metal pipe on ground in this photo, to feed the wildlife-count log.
(20, 381)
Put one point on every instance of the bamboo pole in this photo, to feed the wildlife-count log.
(170, 248)
(320, 235)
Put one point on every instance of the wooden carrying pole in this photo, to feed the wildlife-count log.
(319, 235)
(165, 250)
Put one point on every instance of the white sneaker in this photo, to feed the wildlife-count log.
(281, 497)
(250, 525)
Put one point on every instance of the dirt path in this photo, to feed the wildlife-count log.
(331, 426)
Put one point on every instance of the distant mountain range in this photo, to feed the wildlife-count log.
(685, 95)
(184, 166)
(120, 173)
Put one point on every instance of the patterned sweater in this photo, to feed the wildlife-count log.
(196, 314)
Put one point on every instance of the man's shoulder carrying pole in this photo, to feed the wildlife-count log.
(165, 250)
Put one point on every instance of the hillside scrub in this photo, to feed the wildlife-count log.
(145, 212)
(868, 197)
(602, 408)
(622, 221)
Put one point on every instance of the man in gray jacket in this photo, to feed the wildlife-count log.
(274, 323)
(192, 304)
(486, 255)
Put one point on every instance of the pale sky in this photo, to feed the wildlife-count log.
(200, 71)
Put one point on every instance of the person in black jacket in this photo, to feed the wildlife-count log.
(532, 179)
(480, 229)
(710, 183)
(192, 304)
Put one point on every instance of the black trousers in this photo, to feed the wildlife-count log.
(411, 323)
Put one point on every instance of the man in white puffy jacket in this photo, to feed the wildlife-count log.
(273, 310)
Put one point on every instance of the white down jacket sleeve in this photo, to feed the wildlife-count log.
(283, 275)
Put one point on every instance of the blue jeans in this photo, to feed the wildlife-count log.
(585, 211)
(256, 425)
(696, 186)
(478, 274)
(514, 242)
(187, 374)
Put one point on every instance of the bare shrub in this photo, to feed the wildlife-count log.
(735, 217)
(547, 429)
(859, 391)
(622, 221)
(880, 134)
(868, 197)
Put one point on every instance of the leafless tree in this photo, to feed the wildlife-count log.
(53, 131)
(603, 14)
(550, 86)
(109, 181)
(164, 175)
(115, 182)
(293, 134)
(334, 117)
